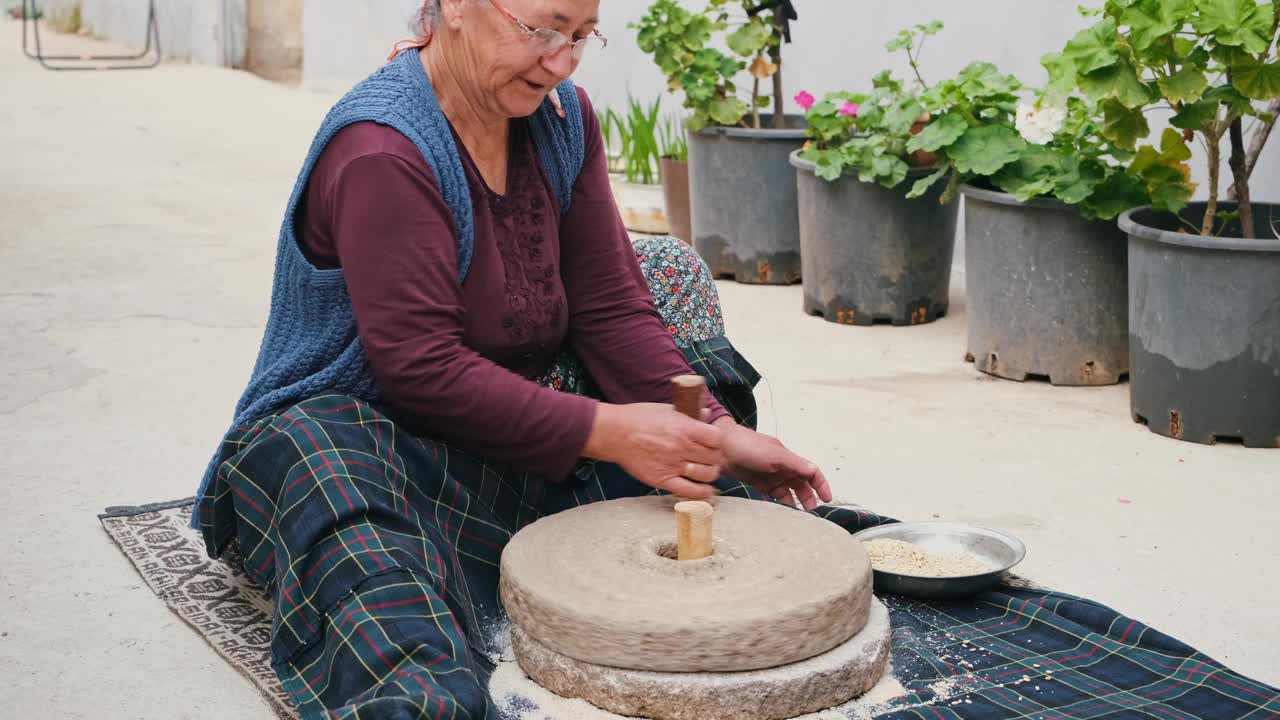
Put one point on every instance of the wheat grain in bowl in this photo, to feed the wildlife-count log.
(904, 558)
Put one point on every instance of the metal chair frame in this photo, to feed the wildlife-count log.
(85, 61)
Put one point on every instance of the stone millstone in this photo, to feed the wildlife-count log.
(831, 679)
(592, 583)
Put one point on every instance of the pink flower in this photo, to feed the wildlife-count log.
(849, 109)
(804, 100)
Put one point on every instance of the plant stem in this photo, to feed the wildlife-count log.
(755, 106)
(779, 118)
(1240, 173)
(915, 67)
(775, 53)
(1214, 150)
(1260, 136)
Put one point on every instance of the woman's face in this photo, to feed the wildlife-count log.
(516, 71)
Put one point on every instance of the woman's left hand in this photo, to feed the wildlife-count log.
(766, 464)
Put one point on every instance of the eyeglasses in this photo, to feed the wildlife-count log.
(549, 42)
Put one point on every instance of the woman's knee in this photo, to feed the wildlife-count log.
(682, 287)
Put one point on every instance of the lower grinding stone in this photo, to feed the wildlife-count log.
(594, 583)
(819, 683)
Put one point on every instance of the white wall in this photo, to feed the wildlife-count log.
(209, 32)
(838, 44)
(345, 40)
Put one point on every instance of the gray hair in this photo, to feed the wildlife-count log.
(424, 22)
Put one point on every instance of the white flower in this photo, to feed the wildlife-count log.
(1037, 124)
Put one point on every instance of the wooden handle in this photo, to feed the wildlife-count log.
(693, 529)
(689, 392)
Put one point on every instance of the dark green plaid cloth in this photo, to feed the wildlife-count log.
(1020, 653)
(381, 552)
(386, 590)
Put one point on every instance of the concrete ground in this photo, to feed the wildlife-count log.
(138, 217)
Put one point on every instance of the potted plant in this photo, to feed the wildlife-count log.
(1204, 298)
(742, 202)
(869, 252)
(675, 179)
(1045, 266)
(634, 166)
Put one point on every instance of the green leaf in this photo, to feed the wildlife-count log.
(1173, 147)
(1195, 115)
(901, 116)
(1078, 180)
(1094, 48)
(1123, 126)
(1034, 173)
(953, 187)
(829, 172)
(890, 171)
(1119, 81)
(750, 38)
(1259, 81)
(984, 150)
(1116, 194)
(1237, 23)
(1062, 73)
(921, 186)
(1183, 47)
(1256, 32)
(727, 111)
(829, 164)
(939, 133)
(1150, 21)
(1231, 97)
(1185, 86)
(1169, 187)
(901, 41)
(1164, 173)
(1228, 55)
(984, 80)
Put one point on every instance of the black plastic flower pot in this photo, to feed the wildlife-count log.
(742, 197)
(1205, 317)
(1046, 291)
(868, 254)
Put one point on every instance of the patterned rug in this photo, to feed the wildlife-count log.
(217, 601)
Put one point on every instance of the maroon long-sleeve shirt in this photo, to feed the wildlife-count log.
(455, 360)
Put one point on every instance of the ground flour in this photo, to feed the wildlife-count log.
(908, 559)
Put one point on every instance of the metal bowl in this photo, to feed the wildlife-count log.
(1000, 550)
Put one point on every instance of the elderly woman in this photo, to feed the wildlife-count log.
(462, 339)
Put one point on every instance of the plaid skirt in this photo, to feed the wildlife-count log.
(381, 548)
(381, 551)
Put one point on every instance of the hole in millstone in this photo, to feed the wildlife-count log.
(668, 550)
(1227, 440)
(1036, 377)
(881, 320)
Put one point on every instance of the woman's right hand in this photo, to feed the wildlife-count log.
(659, 446)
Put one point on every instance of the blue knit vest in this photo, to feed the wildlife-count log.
(310, 346)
